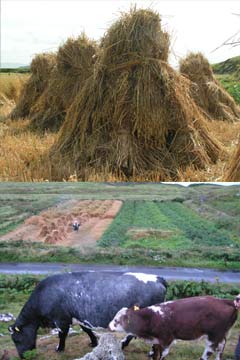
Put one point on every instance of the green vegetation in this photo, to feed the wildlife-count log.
(229, 66)
(187, 228)
(19, 70)
(231, 84)
(227, 72)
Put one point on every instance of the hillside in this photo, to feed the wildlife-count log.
(229, 66)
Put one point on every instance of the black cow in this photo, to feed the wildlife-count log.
(90, 297)
(237, 351)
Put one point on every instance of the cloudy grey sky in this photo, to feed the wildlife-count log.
(32, 26)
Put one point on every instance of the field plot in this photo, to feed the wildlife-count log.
(153, 224)
(54, 226)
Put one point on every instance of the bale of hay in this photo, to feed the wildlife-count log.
(135, 114)
(210, 95)
(74, 64)
(41, 67)
(233, 173)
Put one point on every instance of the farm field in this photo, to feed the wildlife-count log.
(23, 152)
(148, 224)
(15, 290)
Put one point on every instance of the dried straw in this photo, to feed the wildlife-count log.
(135, 114)
(74, 64)
(41, 67)
(209, 94)
(233, 173)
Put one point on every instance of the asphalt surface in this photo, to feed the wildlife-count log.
(169, 273)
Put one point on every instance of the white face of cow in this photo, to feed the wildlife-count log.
(117, 323)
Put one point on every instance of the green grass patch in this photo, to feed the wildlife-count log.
(231, 84)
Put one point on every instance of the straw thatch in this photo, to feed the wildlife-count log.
(134, 114)
(41, 67)
(233, 173)
(210, 96)
(74, 64)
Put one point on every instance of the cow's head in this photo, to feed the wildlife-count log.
(23, 337)
(121, 320)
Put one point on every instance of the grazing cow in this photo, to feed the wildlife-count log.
(237, 351)
(185, 319)
(92, 298)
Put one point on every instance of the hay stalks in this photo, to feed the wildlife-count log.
(74, 64)
(233, 173)
(208, 92)
(41, 67)
(135, 114)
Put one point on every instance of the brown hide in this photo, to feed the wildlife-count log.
(185, 319)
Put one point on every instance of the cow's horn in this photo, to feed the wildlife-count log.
(136, 308)
(10, 329)
(17, 329)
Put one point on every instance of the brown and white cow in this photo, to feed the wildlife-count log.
(185, 319)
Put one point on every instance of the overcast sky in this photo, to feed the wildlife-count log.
(32, 26)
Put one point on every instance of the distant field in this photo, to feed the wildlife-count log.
(157, 225)
(11, 84)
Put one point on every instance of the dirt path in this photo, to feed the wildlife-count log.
(54, 226)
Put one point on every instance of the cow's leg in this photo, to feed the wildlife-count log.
(127, 340)
(219, 349)
(92, 336)
(208, 351)
(62, 334)
(164, 353)
(155, 352)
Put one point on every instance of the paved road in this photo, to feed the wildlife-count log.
(169, 273)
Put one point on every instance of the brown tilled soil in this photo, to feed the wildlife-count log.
(54, 226)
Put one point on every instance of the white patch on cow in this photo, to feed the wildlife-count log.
(157, 310)
(143, 277)
(165, 353)
(115, 324)
(208, 348)
(167, 302)
(220, 349)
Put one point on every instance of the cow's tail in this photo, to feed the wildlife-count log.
(237, 302)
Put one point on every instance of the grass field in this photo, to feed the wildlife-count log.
(15, 290)
(157, 225)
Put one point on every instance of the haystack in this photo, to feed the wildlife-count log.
(210, 95)
(135, 113)
(41, 67)
(74, 64)
(233, 173)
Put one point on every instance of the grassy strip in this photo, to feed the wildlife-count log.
(231, 84)
(199, 230)
(186, 228)
(211, 257)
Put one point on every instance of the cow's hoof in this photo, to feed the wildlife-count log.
(58, 349)
(150, 354)
(93, 344)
